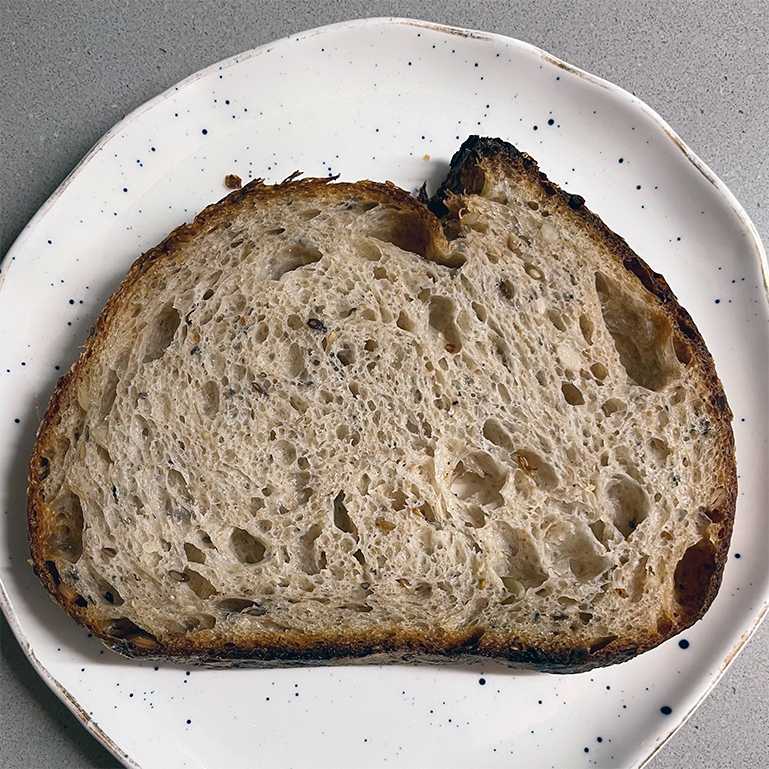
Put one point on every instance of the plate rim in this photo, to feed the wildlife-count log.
(755, 618)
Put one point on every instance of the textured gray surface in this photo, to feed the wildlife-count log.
(70, 70)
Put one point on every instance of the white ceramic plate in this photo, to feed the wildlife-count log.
(381, 99)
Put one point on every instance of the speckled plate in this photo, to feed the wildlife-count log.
(382, 99)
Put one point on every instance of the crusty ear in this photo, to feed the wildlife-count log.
(468, 170)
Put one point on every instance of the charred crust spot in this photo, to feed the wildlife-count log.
(633, 264)
(54, 572)
(719, 402)
(576, 202)
(686, 325)
(44, 468)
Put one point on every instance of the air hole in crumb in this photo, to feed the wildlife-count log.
(210, 395)
(572, 394)
(629, 504)
(342, 519)
(693, 576)
(441, 319)
(556, 319)
(65, 539)
(478, 478)
(247, 548)
(660, 449)
(493, 431)
(515, 589)
(194, 555)
(295, 361)
(293, 258)
(641, 333)
(238, 605)
(108, 591)
(480, 312)
(612, 406)
(199, 622)
(199, 585)
(262, 332)
(405, 321)
(367, 250)
(682, 350)
(507, 289)
(384, 525)
(124, 629)
(586, 327)
(538, 468)
(533, 271)
(474, 516)
(518, 559)
(284, 453)
(298, 403)
(161, 333)
(601, 532)
(359, 557)
(346, 355)
(407, 231)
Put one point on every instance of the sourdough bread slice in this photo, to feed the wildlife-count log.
(321, 423)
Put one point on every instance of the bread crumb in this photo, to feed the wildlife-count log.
(425, 156)
(233, 182)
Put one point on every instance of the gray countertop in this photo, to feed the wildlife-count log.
(70, 69)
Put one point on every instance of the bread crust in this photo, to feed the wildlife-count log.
(386, 644)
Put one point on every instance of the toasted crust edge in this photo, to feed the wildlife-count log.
(389, 645)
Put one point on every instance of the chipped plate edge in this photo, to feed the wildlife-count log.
(739, 212)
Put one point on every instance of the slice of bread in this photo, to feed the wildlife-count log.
(322, 423)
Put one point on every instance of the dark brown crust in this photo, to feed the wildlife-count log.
(387, 644)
